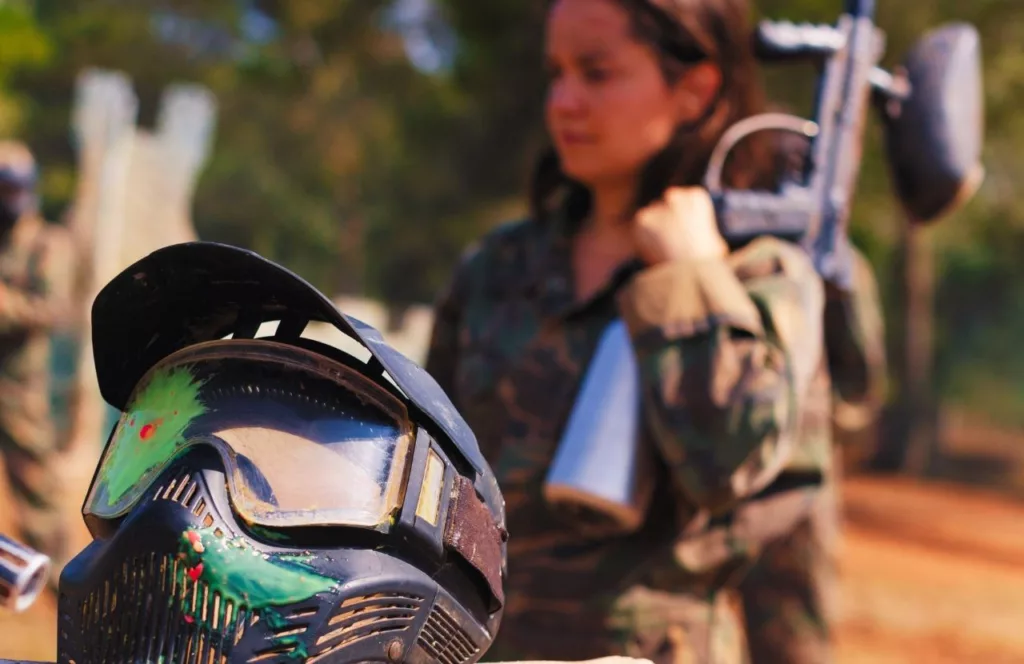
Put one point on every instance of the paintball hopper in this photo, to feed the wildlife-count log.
(23, 574)
(934, 137)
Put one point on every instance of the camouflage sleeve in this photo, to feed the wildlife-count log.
(22, 310)
(726, 350)
(855, 343)
(443, 350)
(45, 304)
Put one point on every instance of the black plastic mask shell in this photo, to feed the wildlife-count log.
(195, 292)
(381, 601)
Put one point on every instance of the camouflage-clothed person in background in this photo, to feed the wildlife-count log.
(32, 300)
(789, 595)
(717, 341)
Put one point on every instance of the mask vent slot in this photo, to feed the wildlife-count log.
(180, 488)
(445, 641)
(183, 489)
(150, 610)
(285, 632)
(364, 617)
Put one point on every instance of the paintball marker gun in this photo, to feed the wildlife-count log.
(23, 574)
(931, 111)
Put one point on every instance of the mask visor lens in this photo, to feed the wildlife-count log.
(305, 441)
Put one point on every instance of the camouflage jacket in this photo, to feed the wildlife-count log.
(721, 346)
(34, 285)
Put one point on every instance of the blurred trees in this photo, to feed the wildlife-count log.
(24, 47)
(338, 157)
(312, 104)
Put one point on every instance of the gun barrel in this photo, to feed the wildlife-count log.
(860, 8)
(23, 574)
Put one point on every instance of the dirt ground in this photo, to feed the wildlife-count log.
(932, 572)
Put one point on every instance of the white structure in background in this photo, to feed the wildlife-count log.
(411, 339)
(163, 170)
(134, 195)
(135, 191)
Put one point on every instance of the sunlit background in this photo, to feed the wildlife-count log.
(365, 143)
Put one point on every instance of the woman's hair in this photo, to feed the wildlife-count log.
(683, 33)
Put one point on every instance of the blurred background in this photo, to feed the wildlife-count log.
(365, 143)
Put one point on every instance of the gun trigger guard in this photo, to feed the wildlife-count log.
(746, 127)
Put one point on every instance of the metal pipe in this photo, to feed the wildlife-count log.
(23, 574)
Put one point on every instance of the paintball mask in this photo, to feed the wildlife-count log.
(273, 498)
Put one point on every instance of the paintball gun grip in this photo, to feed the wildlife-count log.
(23, 574)
(745, 215)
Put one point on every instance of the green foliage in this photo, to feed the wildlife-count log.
(23, 46)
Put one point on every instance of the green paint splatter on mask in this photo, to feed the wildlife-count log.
(267, 534)
(278, 622)
(151, 431)
(248, 576)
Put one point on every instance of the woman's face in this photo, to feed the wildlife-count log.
(609, 108)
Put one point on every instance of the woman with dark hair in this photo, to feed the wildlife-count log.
(728, 345)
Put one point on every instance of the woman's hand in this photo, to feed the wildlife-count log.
(681, 226)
